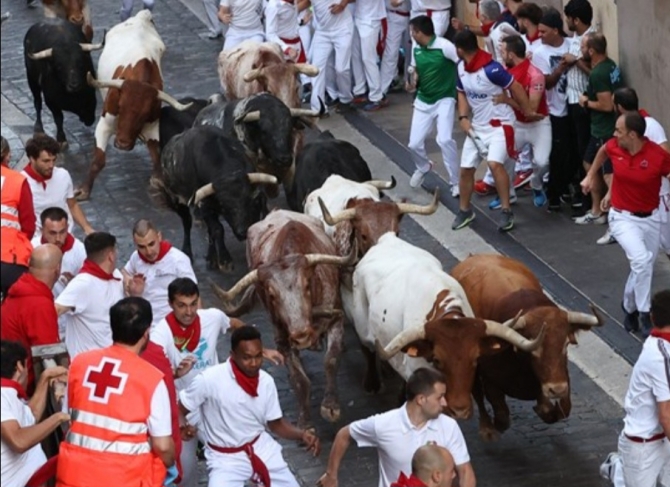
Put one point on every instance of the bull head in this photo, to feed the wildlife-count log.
(299, 68)
(581, 320)
(208, 189)
(47, 53)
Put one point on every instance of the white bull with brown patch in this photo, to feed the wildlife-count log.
(75, 11)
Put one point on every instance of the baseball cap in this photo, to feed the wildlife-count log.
(552, 18)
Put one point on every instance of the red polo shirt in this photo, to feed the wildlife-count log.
(533, 82)
(636, 180)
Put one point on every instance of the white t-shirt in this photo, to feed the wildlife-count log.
(480, 87)
(213, 323)
(158, 276)
(328, 21)
(403, 7)
(547, 58)
(281, 21)
(368, 10)
(648, 386)
(91, 298)
(17, 468)
(160, 417)
(435, 4)
(230, 416)
(246, 14)
(396, 440)
(655, 133)
(531, 46)
(58, 190)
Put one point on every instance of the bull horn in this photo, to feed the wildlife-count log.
(326, 313)
(578, 318)
(36, 56)
(342, 216)
(88, 47)
(96, 83)
(381, 184)
(345, 260)
(303, 112)
(306, 69)
(201, 194)
(241, 285)
(170, 100)
(254, 116)
(401, 340)
(516, 323)
(261, 178)
(495, 329)
(420, 209)
(253, 75)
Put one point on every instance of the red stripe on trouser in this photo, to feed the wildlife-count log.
(302, 58)
(381, 43)
(509, 137)
(43, 474)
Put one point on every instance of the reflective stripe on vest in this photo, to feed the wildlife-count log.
(9, 210)
(105, 422)
(96, 444)
(10, 223)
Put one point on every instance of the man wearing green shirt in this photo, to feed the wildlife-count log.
(604, 80)
(433, 76)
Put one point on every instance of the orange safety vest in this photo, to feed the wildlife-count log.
(109, 396)
(16, 246)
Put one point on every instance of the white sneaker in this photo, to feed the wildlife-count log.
(591, 218)
(455, 191)
(418, 176)
(607, 466)
(606, 239)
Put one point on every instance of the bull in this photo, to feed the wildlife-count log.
(131, 86)
(294, 273)
(202, 166)
(498, 288)
(173, 121)
(402, 301)
(254, 67)
(57, 57)
(76, 12)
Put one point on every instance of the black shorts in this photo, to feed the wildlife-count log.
(592, 149)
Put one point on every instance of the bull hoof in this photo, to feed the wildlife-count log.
(63, 145)
(488, 434)
(82, 194)
(226, 267)
(501, 423)
(330, 413)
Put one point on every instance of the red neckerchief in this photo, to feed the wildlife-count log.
(643, 113)
(12, 384)
(478, 61)
(486, 28)
(37, 177)
(534, 37)
(184, 338)
(405, 481)
(67, 245)
(663, 335)
(94, 269)
(165, 247)
(248, 384)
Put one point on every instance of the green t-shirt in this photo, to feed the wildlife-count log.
(606, 76)
(436, 67)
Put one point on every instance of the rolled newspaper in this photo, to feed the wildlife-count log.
(479, 144)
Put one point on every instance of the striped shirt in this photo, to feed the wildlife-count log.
(577, 79)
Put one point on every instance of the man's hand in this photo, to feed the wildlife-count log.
(338, 8)
(187, 432)
(311, 442)
(583, 100)
(465, 124)
(225, 18)
(88, 230)
(59, 373)
(569, 59)
(273, 356)
(135, 285)
(457, 24)
(66, 277)
(184, 366)
(606, 202)
(307, 18)
(587, 184)
(327, 480)
(63, 417)
(500, 99)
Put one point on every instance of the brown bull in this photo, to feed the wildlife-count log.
(75, 11)
(295, 274)
(499, 288)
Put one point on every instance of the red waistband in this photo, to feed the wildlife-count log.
(233, 449)
(637, 439)
(294, 40)
(400, 12)
(430, 11)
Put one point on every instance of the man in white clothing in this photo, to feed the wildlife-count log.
(55, 231)
(437, 10)
(333, 34)
(213, 23)
(397, 21)
(416, 423)
(238, 402)
(281, 26)
(370, 26)
(51, 185)
(90, 295)
(153, 266)
(243, 18)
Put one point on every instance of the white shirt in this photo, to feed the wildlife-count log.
(281, 22)
(330, 22)
(480, 87)
(368, 10)
(648, 386)
(159, 422)
(246, 14)
(396, 439)
(17, 468)
(91, 298)
(213, 323)
(158, 276)
(547, 58)
(403, 7)
(434, 4)
(655, 133)
(230, 416)
(494, 40)
(577, 79)
(58, 190)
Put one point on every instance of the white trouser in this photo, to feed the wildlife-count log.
(323, 44)
(235, 37)
(639, 238)
(397, 25)
(664, 218)
(234, 469)
(211, 10)
(364, 59)
(127, 8)
(189, 463)
(642, 464)
(426, 117)
(305, 33)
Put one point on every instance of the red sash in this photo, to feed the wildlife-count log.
(184, 338)
(478, 61)
(663, 335)
(165, 247)
(509, 137)
(260, 470)
(381, 42)
(67, 245)
(302, 58)
(12, 384)
(248, 384)
(94, 269)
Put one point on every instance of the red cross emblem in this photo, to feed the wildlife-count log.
(104, 380)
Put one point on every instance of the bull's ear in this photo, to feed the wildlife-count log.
(419, 348)
(491, 345)
(572, 337)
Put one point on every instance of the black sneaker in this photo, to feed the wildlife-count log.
(463, 219)
(554, 206)
(344, 108)
(506, 221)
(331, 102)
(645, 324)
(630, 320)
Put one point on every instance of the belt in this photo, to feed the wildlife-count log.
(637, 439)
(259, 469)
(400, 12)
(293, 40)
(639, 214)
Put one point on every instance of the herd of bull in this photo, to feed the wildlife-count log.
(488, 326)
